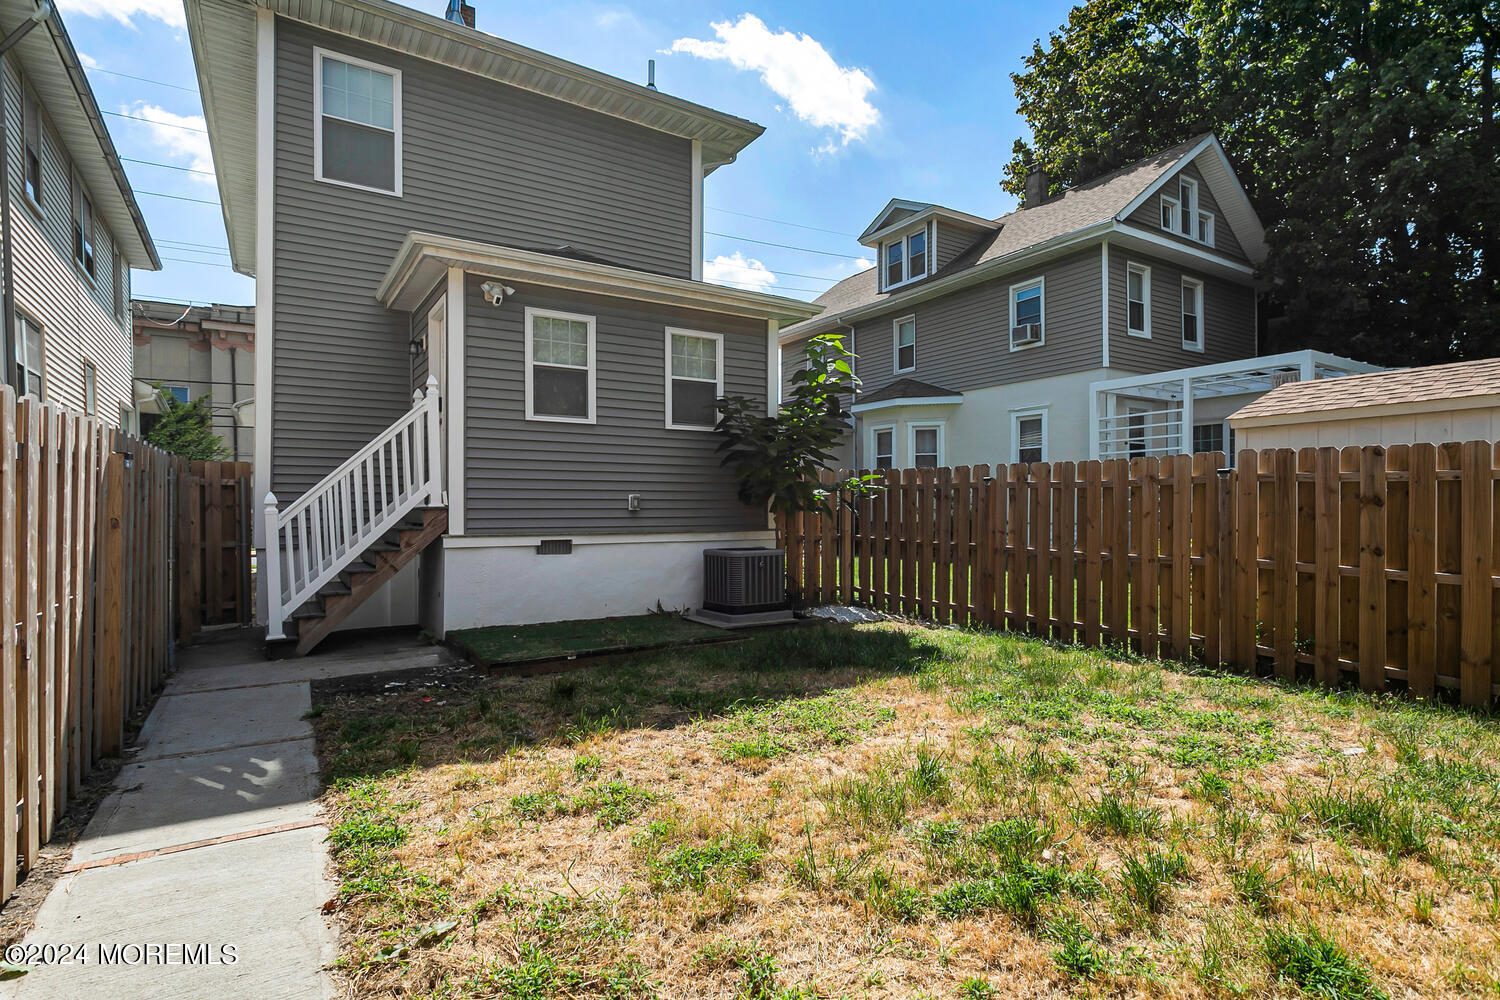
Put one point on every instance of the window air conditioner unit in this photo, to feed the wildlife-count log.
(743, 587)
(1026, 333)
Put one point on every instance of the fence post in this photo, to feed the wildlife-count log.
(109, 650)
(275, 614)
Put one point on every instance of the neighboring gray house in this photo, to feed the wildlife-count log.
(430, 211)
(1116, 318)
(197, 351)
(72, 229)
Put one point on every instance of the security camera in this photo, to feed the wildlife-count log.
(495, 292)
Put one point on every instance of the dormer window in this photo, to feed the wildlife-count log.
(906, 258)
(1181, 214)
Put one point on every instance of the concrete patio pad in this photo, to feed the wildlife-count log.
(215, 720)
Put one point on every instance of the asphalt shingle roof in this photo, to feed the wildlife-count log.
(1095, 201)
(906, 388)
(1408, 385)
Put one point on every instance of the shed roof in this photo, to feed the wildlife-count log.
(1463, 380)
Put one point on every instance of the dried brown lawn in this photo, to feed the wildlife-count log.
(895, 812)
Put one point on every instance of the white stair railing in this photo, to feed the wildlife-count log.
(332, 524)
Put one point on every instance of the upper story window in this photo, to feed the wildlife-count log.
(695, 379)
(1192, 314)
(31, 127)
(906, 343)
(1182, 214)
(1138, 300)
(1027, 314)
(883, 447)
(906, 258)
(83, 229)
(177, 393)
(28, 356)
(357, 121)
(122, 285)
(559, 366)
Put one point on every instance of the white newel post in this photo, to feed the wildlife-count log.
(433, 402)
(275, 614)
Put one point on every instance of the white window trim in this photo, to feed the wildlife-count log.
(187, 390)
(1010, 334)
(318, 54)
(1207, 240)
(905, 240)
(1171, 227)
(896, 344)
(1182, 210)
(90, 389)
(75, 191)
(941, 426)
(1015, 431)
(874, 452)
(1145, 273)
(532, 313)
(41, 156)
(1197, 287)
(718, 339)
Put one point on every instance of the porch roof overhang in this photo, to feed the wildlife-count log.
(907, 392)
(1232, 378)
(425, 257)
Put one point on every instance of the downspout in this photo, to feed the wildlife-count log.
(8, 296)
(234, 397)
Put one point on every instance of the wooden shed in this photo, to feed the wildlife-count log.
(1455, 402)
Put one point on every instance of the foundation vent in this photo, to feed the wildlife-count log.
(742, 581)
(555, 547)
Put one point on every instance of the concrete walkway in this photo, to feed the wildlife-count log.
(203, 873)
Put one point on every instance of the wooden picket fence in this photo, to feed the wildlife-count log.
(95, 548)
(1376, 564)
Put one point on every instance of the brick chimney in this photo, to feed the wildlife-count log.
(1037, 185)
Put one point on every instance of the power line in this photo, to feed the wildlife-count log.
(142, 79)
(782, 222)
(204, 263)
(166, 166)
(783, 246)
(153, 121)
(178, 197)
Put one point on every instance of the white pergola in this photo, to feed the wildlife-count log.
(1165, 426)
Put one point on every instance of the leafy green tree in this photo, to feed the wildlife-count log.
(187, 429)
(1366, 135)
(778, 459)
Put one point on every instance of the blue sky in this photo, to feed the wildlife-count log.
(860, 104)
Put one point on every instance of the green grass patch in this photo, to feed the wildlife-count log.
(497, 644)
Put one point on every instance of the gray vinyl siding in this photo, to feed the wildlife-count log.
(419, 361)
(77, 313)
(1148, 216)
(963, 339)
(481, 161)
(952, 241)
(793, 357)
(551, 478)
(1228, 320)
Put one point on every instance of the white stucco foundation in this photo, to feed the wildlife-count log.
(503, 581)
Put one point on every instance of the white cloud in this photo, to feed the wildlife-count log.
(168, 12)
(178, 144)
(861, 264)
(88, 61)
(739, 271)
(798, 68)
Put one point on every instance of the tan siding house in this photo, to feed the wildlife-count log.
(75, 233)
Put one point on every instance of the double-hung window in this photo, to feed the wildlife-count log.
(906, 258)
(1187, 205)
(357, 120)
(29, 356)
(83, 228)
(1027, 314)
(559, 366)
(695, 379)
(1192, 314)
(883, 447)
(122, 284)
(1182, 214)
(31, 126)
(1138, 300)
(1031, 437)
(1208, 437)
(927, 445)
(906, 343)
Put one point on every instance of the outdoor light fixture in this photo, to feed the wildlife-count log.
(495, 292)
